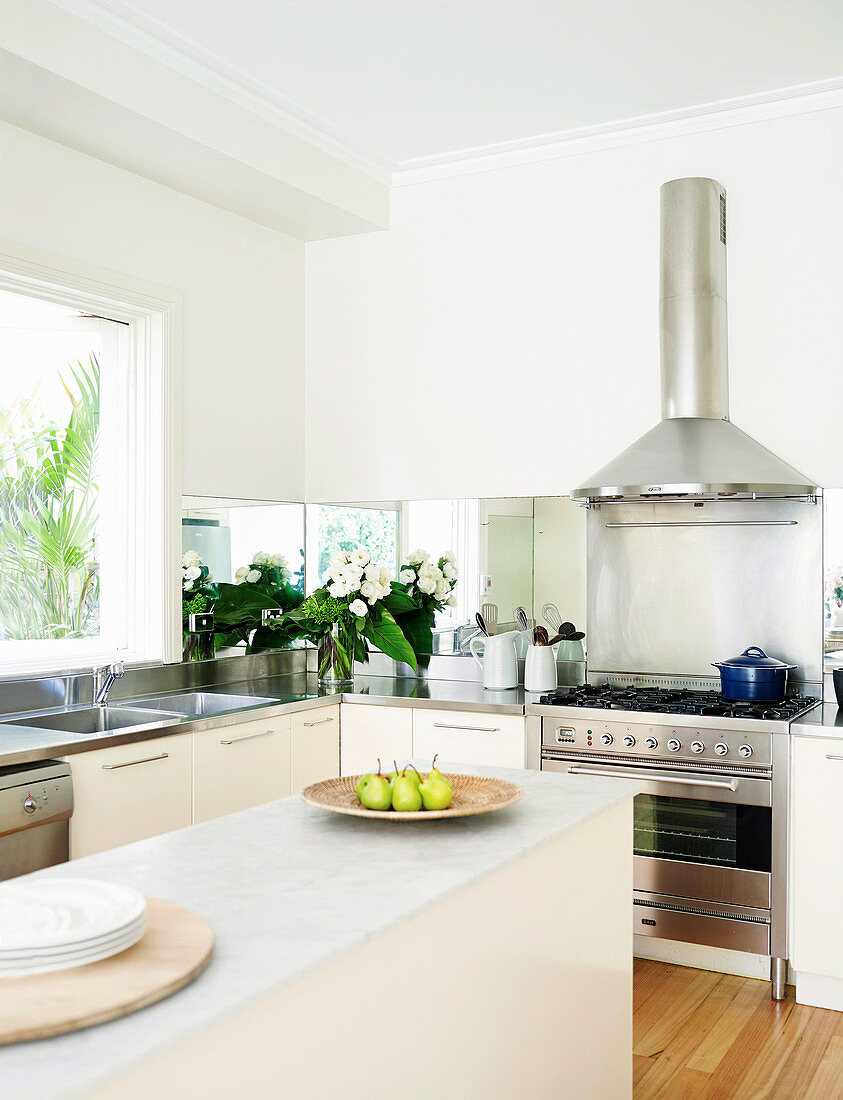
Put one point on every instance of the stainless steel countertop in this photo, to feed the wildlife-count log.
(823, 721)
(28, 744)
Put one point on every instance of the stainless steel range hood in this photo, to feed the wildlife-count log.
(695, 451)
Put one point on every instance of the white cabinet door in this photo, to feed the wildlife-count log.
(235, 767)
(368, 732)
(469, 738)
(816, 860)
(130, 792)
(315, 746)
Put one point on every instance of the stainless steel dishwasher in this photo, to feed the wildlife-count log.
(36, 803)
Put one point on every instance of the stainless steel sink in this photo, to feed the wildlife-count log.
(95, 719)
(201, 702)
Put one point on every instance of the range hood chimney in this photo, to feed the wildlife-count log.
(695, 451)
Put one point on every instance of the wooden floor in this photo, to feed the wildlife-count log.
(700, 1034)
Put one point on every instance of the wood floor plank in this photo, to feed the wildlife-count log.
(827, 1082)
(703, 1036)
(668, 1015)
(739, 998)
(806, 1056)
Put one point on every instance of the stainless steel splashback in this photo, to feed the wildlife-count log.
(673, 587)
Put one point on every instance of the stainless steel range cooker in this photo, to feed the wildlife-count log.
(710, 833)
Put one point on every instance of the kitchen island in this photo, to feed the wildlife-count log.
(487, 956)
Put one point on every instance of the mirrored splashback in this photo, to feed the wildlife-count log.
(509, 551)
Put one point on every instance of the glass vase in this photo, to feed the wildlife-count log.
(197, 647)
(335, 656)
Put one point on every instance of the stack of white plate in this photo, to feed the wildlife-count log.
(52, 924)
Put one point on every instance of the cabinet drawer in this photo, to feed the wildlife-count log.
(816, 873)
(235, 767)
(130, 792)
(368, 732)
(467, 737)
(315, 749)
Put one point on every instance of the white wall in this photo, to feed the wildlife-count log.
(502, 337)
(243, 288)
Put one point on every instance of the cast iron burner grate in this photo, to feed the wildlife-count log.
(675, 701)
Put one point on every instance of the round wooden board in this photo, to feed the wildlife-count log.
(176, 946)
(473, 794)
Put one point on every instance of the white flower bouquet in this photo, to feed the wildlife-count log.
(264, 569)
(431, 584)
(349, 610)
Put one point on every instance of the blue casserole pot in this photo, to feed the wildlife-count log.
(753, 677)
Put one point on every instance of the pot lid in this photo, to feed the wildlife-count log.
(754, 657)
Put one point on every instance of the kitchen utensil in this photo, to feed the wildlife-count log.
(837, 677)
(481, 622)
(753, 677)
(566, 629)
(577, 636)
(521, 619)
(473, 794)
(540, 636)
(499, 663)
(540, 669)
(550, 614)
(490, 613)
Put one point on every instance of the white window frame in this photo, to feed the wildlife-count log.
(154, 341)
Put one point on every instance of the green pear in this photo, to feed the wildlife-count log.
(376, 795)
(436, 793)
(434, 771)
(405, 795)
(361, 783)
(408, 772)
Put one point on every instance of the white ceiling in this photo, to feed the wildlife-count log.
(407, 80)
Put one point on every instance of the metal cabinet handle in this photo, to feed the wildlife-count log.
(250, 737)
(831, 756)
(479, 729)
(320, 722)
(725, 785)
(131, 763)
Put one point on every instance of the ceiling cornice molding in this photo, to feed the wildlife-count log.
(152, 38)
(155, 40)
(763, 107)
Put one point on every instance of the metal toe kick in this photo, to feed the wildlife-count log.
(730, 926)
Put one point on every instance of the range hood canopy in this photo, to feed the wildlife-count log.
(695, 450)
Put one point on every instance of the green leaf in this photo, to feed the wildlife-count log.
(399, 602)
(415, 626)
(385, 633)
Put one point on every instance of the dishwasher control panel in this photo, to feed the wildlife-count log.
(34, 795)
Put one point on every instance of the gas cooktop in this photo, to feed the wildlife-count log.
(675, 701)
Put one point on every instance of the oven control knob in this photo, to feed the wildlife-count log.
(745, 750)
(721, 749)
(30, 805)
(606, 738)
(697, 746)
(629, 740)
(651, 742)
(674, 744)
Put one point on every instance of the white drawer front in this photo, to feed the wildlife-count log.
(368, 732)
(315, 746)
(235, 767)
(130, 792)
(469, 737)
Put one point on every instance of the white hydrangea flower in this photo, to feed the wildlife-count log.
(253, 576)
(189, 558)
(187, 585)
(450, 571)
(279, 561)
(192, 573)
(260, 557)
(450, 556)
(358, 608)
(417, 557)
(407, 576)
(241, 574)
(360, 557)
(370, 592)
(427, 585)
(350, 575)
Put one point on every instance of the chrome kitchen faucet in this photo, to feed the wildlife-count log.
(104, 677)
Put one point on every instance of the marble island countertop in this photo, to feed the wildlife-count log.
(287, 889)
(21, 744)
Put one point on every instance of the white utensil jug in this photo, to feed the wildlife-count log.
(540, 669)
(500, 667)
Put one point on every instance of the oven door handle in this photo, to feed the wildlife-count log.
(721, 784)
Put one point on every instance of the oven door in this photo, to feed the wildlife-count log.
(703, 837)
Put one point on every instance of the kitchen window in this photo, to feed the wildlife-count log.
(87, 472)
(333, 527)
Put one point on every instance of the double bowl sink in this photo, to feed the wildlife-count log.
(140, 712)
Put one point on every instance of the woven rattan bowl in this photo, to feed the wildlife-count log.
(473, 794)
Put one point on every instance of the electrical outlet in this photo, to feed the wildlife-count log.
(201, 622)
(270, 614)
